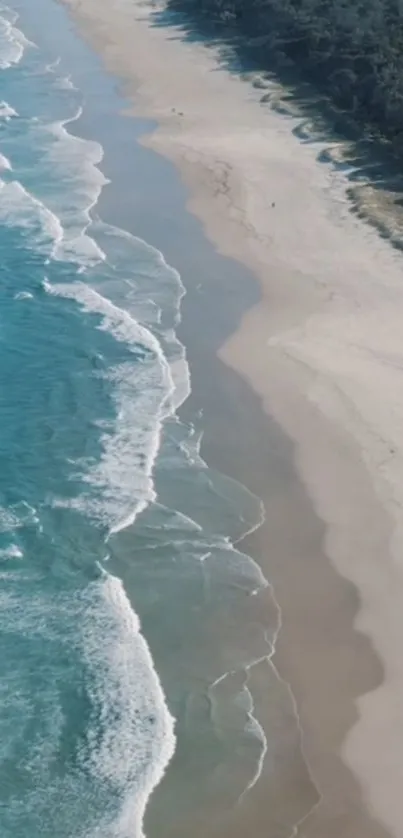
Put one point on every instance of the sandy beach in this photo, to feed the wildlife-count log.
(323, 353)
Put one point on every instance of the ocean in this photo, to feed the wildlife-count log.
(127, 622)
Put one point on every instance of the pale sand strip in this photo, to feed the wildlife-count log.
(324, 349)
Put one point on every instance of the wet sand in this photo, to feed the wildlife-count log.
(322, 352)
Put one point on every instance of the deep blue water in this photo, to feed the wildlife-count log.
(91, 373)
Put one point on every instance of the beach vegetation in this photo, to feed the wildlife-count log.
(350, 50)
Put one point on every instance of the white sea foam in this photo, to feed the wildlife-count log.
(11, 552)
(23, 295)
(6, 111)
(5, 164)
(16, 516)
(75, 161)
(143, 389)
(12, 43)
(137, 738)
(150, 264)
(52, 67)
(65, 83)
(57, 223)
(62, 82)
(18, 208)
(128, 733)
(154, 291)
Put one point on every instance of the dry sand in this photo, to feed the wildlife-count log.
(324, 351)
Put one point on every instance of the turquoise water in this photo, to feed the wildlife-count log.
(107, 511)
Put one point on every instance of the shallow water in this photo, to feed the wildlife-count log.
(107, 510)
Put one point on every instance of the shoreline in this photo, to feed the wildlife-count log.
(302, 394)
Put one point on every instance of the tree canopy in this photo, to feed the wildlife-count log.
(350, 49)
